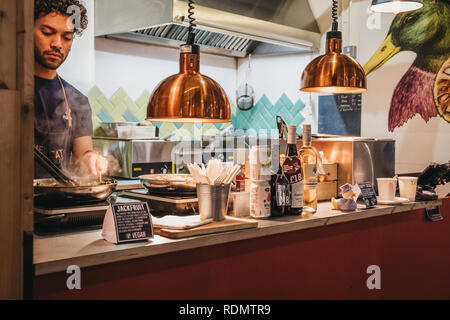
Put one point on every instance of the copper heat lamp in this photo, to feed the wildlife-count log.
(189, 96)
(333, 72)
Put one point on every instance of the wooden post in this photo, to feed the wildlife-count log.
(16, 141)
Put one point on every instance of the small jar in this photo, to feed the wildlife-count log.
(260, 199)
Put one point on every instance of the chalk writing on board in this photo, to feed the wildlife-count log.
(340, 114)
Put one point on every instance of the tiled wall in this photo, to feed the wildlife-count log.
(263, 114)
(121, 108)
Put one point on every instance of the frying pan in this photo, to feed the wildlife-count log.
(169, 184)
(50, 192)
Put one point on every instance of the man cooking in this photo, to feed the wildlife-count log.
(63, 123)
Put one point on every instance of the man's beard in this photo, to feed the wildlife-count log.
(43, 62)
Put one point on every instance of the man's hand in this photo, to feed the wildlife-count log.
(93, 164)
(87, 161)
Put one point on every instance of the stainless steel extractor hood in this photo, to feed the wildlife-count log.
(226, 27)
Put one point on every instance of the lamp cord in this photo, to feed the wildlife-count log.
(334, 15)
(191, 35)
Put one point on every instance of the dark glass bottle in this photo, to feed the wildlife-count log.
(292, 169)
(280, 195)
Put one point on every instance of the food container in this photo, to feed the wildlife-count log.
(260, 162)
(260, 199)
(239, 205)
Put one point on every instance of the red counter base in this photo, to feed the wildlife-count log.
(323, 263)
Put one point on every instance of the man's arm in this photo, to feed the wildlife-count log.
(82, 145)
(86, 159)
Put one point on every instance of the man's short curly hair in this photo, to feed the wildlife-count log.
(44, 7)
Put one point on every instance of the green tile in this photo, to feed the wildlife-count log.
(119, 105)
(131, 105)
(95, 106)
(94, 93)
(105, 103)
(141, 114)
(119, 94)
(166, 129)
(143, 100)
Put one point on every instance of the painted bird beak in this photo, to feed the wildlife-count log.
(386, 51)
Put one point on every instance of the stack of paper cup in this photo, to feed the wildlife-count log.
(260, 161)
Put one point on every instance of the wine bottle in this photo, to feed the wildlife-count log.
(280, 195)
(292, 169)
(308, 157)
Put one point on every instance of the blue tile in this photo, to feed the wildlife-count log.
(157, 124)
(263, 114)
(300, 104)
(104, 116)
(129, 116)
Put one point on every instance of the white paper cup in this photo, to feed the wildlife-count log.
(386, 188)
(408, 187)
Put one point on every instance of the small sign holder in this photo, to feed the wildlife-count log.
(433, 214)
(368, 194)
(127, 222)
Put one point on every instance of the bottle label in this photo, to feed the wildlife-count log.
(240, 185)
(292, 169)
(297, 194)
(282, 194)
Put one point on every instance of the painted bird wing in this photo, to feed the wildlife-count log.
(412, 95)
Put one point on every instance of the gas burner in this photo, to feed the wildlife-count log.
(67, 218)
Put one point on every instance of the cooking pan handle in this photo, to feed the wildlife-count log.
(51, 168)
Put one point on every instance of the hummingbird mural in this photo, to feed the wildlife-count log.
(425, 87)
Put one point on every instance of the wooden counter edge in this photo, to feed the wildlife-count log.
(265, 228)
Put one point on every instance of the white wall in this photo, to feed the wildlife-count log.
(136, 67)
(79, 67)
(418, 142)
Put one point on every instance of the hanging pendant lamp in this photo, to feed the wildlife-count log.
(333, 72)
(395, 6)
(189, 96)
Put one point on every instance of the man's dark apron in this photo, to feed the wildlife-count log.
(57, 127)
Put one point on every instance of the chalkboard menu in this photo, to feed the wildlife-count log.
(340, 114)
(368, 193)
(132, 221)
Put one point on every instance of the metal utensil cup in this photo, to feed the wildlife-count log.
(213, 201)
